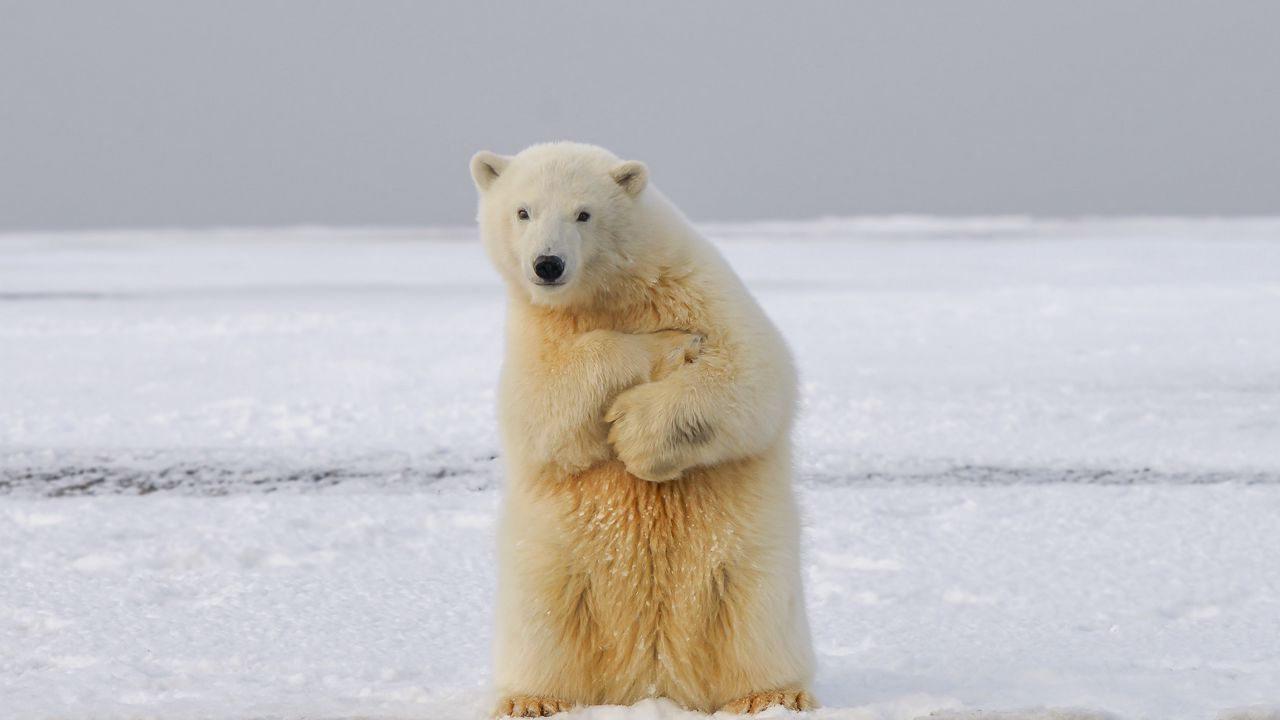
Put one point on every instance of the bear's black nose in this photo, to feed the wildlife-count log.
(548, 267)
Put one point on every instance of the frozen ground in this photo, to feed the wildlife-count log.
(1040, 464)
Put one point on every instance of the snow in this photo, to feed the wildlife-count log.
(251, 474)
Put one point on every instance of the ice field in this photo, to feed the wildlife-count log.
(253, 474)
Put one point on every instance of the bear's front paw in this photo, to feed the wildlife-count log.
(649, 435)
(670, 350)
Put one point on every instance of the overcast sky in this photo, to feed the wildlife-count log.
(137, 114)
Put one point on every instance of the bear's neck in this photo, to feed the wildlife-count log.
(666, 300)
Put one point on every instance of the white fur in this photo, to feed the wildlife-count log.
(649, 543)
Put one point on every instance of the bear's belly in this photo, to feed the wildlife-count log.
(652, 577)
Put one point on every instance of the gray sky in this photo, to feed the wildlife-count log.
(136, 114)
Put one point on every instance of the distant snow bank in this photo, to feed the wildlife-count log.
(1001, 227)
(831, 227)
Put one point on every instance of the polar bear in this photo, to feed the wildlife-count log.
(649, 544)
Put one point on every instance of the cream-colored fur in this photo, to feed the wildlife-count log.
(649, 540)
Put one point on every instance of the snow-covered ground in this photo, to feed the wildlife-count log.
(253, 474)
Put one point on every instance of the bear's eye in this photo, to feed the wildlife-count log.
(522, 214)
(584, 216)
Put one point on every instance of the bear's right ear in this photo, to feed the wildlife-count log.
(486, 167)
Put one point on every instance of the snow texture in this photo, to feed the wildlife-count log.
(249, 474)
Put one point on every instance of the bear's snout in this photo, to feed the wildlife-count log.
(548, 268)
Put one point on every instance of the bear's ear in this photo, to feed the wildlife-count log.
(632, 175)
(486, 167)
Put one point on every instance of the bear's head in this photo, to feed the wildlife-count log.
(554, 217)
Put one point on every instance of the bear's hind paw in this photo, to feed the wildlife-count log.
(798, 700)
(526, 706)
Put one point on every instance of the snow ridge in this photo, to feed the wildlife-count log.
(200, 471)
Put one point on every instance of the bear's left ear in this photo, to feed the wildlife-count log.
(486, 167)
(632, 175)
